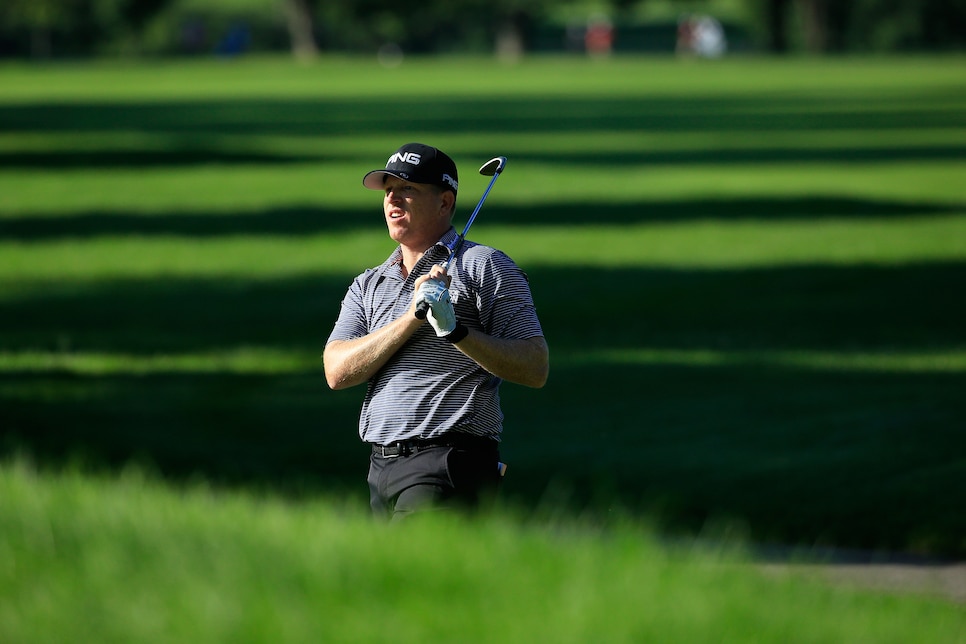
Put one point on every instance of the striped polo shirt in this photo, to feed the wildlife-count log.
(429, 387)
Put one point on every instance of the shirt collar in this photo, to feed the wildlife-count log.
(448, 239)
(440, 248)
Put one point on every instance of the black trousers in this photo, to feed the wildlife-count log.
(437, 477)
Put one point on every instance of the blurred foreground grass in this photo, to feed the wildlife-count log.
(749, 272)
(126, 558)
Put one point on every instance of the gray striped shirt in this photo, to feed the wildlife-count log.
(429, 387)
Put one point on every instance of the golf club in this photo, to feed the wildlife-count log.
(491, 168)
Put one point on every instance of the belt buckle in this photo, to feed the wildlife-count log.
(383, 454)
(401, 448)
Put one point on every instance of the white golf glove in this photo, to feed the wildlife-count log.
(441, 314)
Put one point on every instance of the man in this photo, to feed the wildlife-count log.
(432, 409)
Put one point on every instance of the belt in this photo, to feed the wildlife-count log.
(452, 439)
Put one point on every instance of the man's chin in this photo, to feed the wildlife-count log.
(398, 236)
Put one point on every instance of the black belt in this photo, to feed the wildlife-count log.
(453, 439)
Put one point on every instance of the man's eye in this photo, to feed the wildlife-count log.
(401, 189)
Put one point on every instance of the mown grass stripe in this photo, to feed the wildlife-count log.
(269, 361)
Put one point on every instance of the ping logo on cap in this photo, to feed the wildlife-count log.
(404, 157)
(417, 163)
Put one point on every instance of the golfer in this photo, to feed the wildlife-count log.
(431, 411)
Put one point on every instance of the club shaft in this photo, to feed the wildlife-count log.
(469, 222)
(423, 307)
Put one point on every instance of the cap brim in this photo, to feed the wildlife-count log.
(376, 180)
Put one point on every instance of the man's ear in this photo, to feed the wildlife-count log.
(449, 200)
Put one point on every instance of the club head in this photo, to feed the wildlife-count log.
(493, 167)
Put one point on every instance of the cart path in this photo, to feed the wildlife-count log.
(887, 573)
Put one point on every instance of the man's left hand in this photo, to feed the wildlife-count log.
(441, 315)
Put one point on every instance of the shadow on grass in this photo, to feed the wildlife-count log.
(444, 116)
(797, 454)
(307, 220)
(902, 307)
(103, 159)
(286, 433)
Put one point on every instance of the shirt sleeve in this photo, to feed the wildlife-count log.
(351, 323)
(505, 301)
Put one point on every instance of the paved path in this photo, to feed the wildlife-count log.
(889, 573)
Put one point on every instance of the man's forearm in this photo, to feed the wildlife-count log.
(352, 362)
(525, 362)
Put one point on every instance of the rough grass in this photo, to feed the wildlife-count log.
(127, 558)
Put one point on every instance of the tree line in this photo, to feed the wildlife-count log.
(41, 29)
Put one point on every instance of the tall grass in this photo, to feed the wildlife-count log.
(125, 558)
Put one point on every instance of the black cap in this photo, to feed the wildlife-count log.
(416, 163)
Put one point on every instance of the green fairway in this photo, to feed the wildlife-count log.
(750, 273)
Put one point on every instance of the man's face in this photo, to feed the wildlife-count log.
(417, 214)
